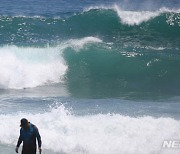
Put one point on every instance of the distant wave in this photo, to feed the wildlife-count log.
(70, 133)
(135, 17)
(146, 27)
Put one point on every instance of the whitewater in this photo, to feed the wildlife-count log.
(90, 134)
(96, 77)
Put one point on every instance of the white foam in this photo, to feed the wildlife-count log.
(27, 67)
(95, 134)
(135, 17)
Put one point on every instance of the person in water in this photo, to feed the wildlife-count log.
(28, 135)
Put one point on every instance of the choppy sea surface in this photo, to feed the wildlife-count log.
(95, 76)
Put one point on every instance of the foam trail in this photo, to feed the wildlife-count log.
(95, 134)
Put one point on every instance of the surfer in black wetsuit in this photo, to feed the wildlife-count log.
(28, 135)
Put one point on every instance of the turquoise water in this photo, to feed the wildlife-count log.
(94, 76)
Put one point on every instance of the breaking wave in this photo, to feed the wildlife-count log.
(28, 67)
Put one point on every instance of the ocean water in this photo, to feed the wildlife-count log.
(95, 76)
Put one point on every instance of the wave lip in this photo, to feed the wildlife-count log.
(78, 44)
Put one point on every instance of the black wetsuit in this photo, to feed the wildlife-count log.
(29, 139)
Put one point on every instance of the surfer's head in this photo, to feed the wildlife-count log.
(24, 123)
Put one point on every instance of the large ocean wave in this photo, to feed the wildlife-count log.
(64, 132)
(90, 67)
